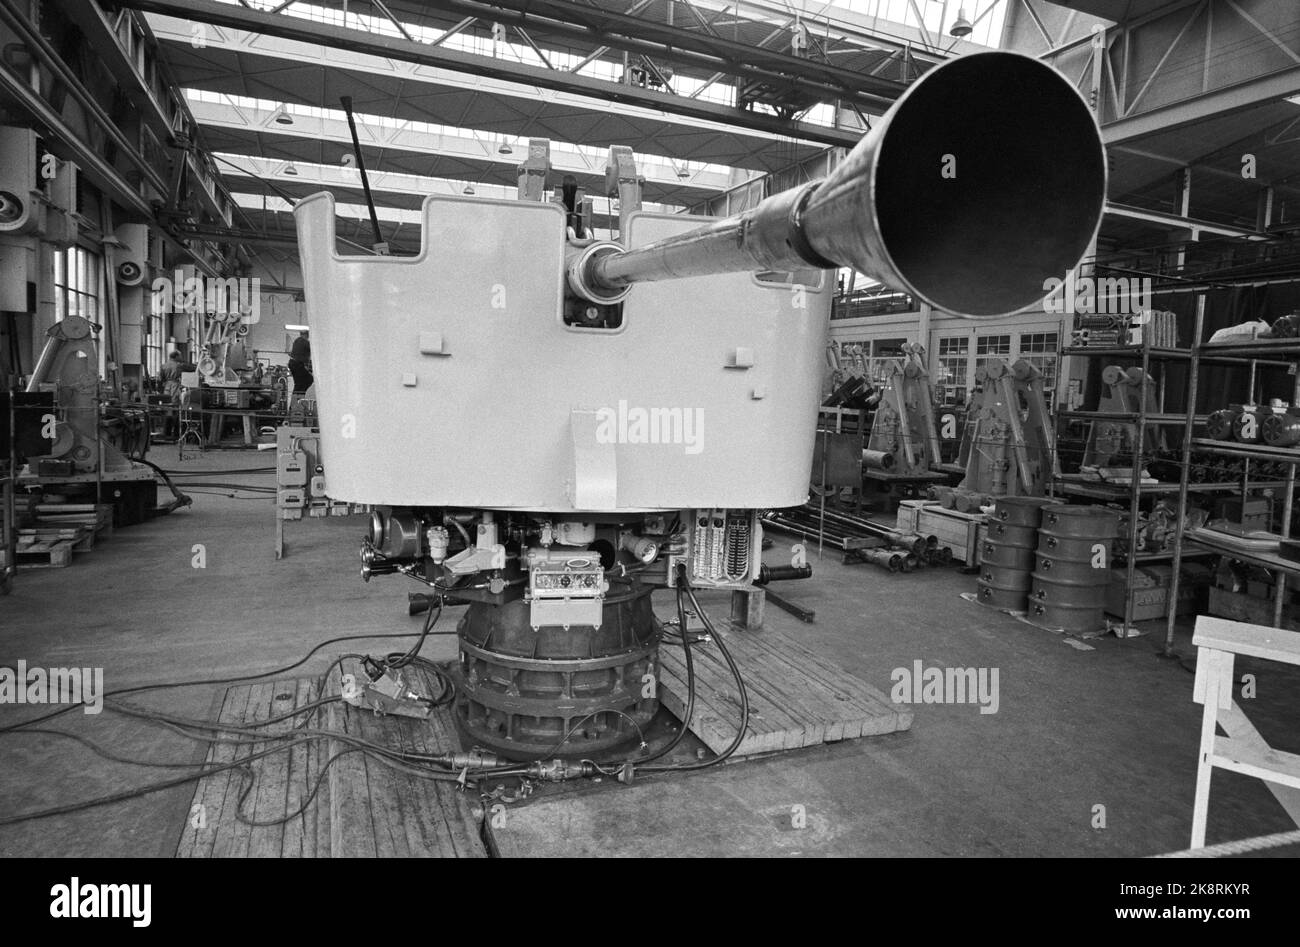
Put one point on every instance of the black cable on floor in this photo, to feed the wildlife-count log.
(167, 685)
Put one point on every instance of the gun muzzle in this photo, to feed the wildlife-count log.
(983, 181)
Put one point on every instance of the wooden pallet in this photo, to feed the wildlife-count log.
(94, 519)
(82, 538)
(361, 808)
(796, 698)
(54, 554)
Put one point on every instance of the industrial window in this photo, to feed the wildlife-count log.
(951, 379)
(155, 339)
(993, 345)
(990, 348)
(76, 283)
(1040, 350)
(883, 351)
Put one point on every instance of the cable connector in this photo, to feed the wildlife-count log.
(557, 771)
(472, 761)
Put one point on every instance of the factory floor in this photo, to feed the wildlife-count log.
(1091, 751)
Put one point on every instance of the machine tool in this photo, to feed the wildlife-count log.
(1112, 442)
(552, 427)
(94, 446)
(904, 440)
(1008, 443)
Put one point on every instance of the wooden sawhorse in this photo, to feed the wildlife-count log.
(1243, 750)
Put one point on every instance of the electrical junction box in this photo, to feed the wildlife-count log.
(566, 586)
(291, 469)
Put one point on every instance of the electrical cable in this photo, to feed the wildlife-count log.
(229, 495)
(205, 473)
(604, 710)
(399, 660)
(231, 485)
(690, 679)
(242, 764)
(135, 793)
(106, 754)
(740, 688)
(180, 499)
(166, 685)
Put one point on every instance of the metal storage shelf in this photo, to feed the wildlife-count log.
(1102, 489)
(1219, 354)
(8, 540)
(1143, 557)
(1259, 349)
(1268, 560)
(1134, 491)
(1126, 351)
(1285, 455)
(1159, 418)
(1253, 354)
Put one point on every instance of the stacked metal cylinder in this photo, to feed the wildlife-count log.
(1072, 567)
(1007, 554)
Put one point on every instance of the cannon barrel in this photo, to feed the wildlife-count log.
(985, 179)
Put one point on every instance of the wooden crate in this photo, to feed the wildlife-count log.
(908, 513)
(956, 531)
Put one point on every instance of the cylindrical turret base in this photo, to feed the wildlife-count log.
(576, 692)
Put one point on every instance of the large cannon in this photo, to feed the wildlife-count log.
(987, 177)
(550, 428)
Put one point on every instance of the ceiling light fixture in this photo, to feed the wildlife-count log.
(469, 189)
(961, 26)
(290, 169)
(505, 148)
(282, 116)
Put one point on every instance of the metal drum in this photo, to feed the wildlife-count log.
(1077, 548)
(1072, 571)
(996, 597)
(1074, 608)
(1072, 567)
(1084, 522)
(1021, 511)
(1007, 553)
(1004, 578)
(1006, 557)
(1026, 537)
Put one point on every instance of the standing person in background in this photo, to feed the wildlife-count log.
(300, 368)
(170, 376)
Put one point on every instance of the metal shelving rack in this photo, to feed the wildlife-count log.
(1195, 356)
(8, 515)
(1134, 490)
(1253, 353)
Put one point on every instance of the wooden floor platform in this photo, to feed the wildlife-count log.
(362, 808)
(796, 698)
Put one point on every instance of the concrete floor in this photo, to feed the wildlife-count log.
(1114, 726)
